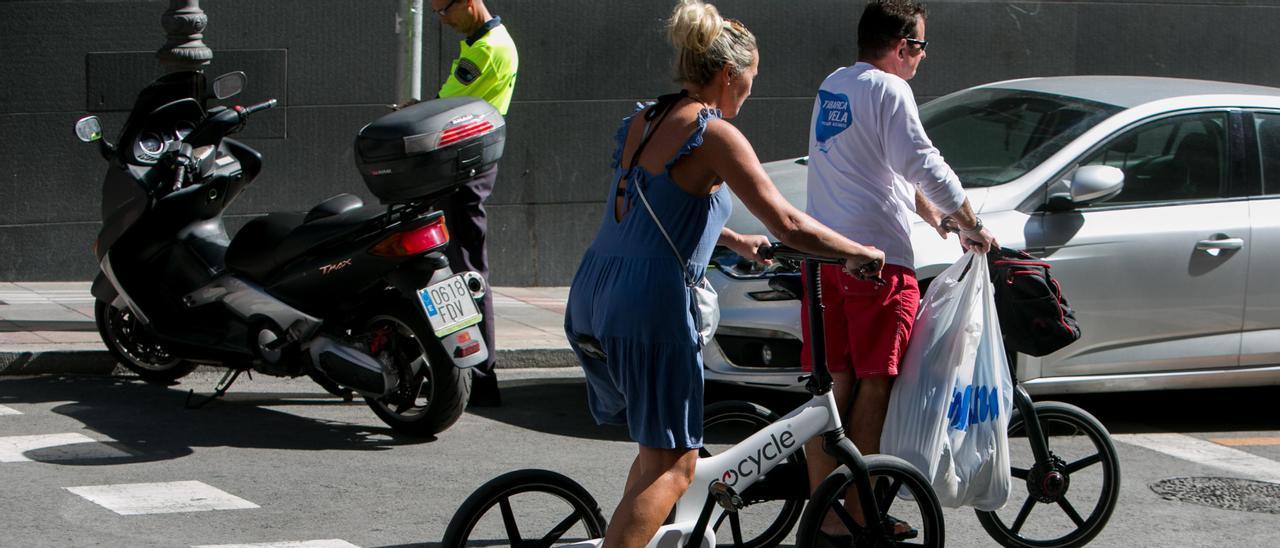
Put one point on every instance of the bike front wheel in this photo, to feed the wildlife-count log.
(1072, 495)
(901, 493)
(534, 508)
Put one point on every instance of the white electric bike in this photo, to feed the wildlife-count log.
(543, 508)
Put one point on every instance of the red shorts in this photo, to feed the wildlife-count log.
(867, 327)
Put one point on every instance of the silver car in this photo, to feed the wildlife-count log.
(1157, 202)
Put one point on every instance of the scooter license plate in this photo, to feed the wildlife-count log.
(449, 306)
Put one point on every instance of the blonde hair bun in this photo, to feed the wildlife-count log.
(705, 42)
(694, 26)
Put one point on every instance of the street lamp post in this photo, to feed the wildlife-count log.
(184, 47)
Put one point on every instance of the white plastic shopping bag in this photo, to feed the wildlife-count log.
(949, 411)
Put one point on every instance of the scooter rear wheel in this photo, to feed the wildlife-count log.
(432, 399)
(136, 349)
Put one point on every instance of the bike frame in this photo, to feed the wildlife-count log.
(718, 478)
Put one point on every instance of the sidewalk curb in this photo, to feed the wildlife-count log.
(99, 362)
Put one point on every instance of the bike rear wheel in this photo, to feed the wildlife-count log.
(765, 520)
(901, 493)
(528, 508)
(1083, 464)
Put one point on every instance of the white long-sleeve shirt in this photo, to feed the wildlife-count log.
(868, 153)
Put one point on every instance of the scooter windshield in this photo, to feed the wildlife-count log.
(164, 90)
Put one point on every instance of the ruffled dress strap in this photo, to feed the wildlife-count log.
(704, 116)
(620, 138)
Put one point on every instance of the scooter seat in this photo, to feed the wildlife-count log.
(341, 203)
(267, 243)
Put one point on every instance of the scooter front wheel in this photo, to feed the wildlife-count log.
(135, 348)
(432, 393)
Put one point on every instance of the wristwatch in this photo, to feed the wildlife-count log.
(977, 227)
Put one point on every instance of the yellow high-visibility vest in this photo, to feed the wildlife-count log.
(485, 68)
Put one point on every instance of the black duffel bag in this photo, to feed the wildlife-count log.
(1034, 316)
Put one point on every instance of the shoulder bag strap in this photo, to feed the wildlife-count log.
(665, 107)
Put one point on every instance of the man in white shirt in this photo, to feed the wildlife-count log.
(871, 167)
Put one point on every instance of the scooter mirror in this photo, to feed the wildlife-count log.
(89, 129)
(229, 84)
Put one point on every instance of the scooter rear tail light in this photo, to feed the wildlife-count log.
(464, 131)
(413, 242)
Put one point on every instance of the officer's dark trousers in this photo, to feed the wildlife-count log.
(465, 217)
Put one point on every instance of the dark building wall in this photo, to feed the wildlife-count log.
(583, 64)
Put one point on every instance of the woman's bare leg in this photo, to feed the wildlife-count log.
(658, 478)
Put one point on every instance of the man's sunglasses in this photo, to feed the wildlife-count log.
(445, 9)
(922, 43)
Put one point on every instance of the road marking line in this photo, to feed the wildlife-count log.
(1199, 451)
(9, 411)
(1237, 442)
(325, 543)
(161, 498)
(13, 447)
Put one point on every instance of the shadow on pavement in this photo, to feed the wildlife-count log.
(550, 406)
(150, 423)
(1208, 410)
(560, 407)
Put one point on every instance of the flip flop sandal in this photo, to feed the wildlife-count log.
(891, 523)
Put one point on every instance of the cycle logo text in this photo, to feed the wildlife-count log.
(772, 450)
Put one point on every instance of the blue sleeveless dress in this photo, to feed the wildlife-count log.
(630, 294)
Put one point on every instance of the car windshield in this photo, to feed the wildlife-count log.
(993, 136)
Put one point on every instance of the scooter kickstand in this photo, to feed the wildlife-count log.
(218, 391)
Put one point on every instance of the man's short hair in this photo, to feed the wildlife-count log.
(884, 22)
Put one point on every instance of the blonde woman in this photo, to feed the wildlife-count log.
(630, 316)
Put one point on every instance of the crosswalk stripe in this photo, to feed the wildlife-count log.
(8, 411)
(1199, 451)
(161, 498)
(1238, 442)
(13, 447)
(325, 543)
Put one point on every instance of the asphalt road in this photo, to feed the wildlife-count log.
(288, 463)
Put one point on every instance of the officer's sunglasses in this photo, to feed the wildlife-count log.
(445, 9)
(921, 43)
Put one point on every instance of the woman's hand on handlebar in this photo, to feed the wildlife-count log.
(866, 266)
(755, 247)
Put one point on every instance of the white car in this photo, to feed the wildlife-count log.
(1155, 200)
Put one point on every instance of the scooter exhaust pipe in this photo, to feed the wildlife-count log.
(351, 367)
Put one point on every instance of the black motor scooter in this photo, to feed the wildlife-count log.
(360, 298)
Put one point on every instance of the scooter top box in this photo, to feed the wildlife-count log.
(429, 148)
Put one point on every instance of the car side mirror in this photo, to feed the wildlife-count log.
(1094, 183)
(89, 129)
(229, 84)
(1088, 184)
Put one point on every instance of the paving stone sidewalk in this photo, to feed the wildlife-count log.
(47, 327)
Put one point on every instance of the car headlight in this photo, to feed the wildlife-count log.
(737, 266)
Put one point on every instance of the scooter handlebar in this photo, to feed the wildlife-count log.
(268, 104)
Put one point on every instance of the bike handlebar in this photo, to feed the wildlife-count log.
(782, 251)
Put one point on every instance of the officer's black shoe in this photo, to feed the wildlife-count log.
(484, 391)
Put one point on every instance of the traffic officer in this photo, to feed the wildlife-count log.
(486, 68)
